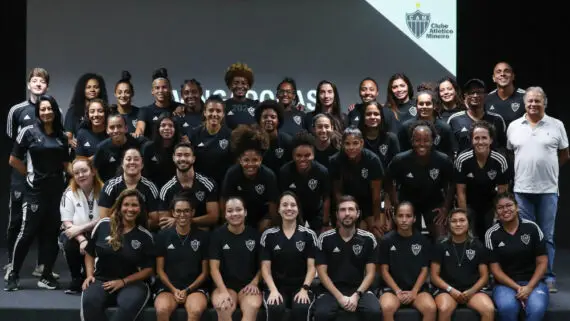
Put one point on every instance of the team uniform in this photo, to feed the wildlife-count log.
(385, 147)
(136, 252)
(240, 112)
(72, 121)
(279, 152)
(87, 141)
(158, 164)
(444, 114)
(288, 257)
(293, 122)
(213, 152)
(80, 210)
(444, 140)
(113, 188)
(204, 190)
(355, 178)
(516, 254)
(346, 267)
(46, 156)
(339, 123)
(312, 188)
(481, 183)
(510, 109)
(107, 158)
(238, 255)
(421, 184)
(19, 116)
(405, 257)
(406, 111)
(189, 122)
(256, 192)
(323, 156)
(459, 263)
(461, 122)
(131, 119)
(183, 256)
(150, 114)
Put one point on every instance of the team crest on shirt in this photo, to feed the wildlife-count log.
(195, 244)
(416, 248)
(300, 245)
(364, 173)
(413, 111)
(313, 184)
(134, 122)
(492, 174)
(200, 196)
(383, 149)
(251, 111)
(135, 244)
(470, 254)
(434, 173)
(279, 152)
(297, 120)
(223, 143)
(515, 107)
(357, 248)
(250, 244)
(17, 195)
(437, 140)
(260, 188)
(525, 238)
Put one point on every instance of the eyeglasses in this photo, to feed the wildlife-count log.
(186, 211)
(283, 92)
(476, 92)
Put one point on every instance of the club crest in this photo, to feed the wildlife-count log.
(313, 183)
(418, 22)
(195, 244)
(515, 107)
(279, 152)
(134, 122)
(383, 149)
(260, 188)
(470, 254)
(297, 120)
(135, 244)
(250, 244)
(525, 238)
(492, 174)
(251, 111)
(34, 207)
(357, 248)
(437, 140)
(413, 111)
(223, 143)
(200, 196)
(434, 173)
(300, 245)
(364, 173)
(416, 248)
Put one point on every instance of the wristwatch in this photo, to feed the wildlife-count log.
(448, 289)
(359, 293)
(306, 287)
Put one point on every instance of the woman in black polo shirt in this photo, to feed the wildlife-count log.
(181, 265)
(119, 260)
(92, 130)
(459, 270)
(234, 264)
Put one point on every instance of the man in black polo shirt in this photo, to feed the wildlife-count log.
(346, 264)
(506, 100)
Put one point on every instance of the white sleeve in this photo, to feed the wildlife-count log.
(563, 137)
(67, 207)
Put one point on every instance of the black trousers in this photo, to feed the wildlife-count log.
(482, 219)
(41, 219)
(299, 311)
(14, 219)
(130, 302)
(327, 307)
(75, 260)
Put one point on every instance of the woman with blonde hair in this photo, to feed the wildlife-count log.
(79, 214)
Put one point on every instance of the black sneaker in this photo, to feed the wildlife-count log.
(12, 283)
(48, 282)
(74, 286)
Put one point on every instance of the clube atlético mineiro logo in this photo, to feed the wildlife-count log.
(420, 24)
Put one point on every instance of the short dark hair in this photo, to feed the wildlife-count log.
(269, 104)
(348, 198)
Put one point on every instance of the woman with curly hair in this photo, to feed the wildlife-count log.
(240, 110)
(249, 179)
(119, 260)
(450, 96)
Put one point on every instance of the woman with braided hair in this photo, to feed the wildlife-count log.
(240, 110)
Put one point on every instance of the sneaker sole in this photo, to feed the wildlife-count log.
(11, 290)
(39, 275)
(45, 286)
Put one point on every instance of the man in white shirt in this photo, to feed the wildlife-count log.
(540, 146)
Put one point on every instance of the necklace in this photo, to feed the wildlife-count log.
(459, 260)
(90, 204)
(182, 241)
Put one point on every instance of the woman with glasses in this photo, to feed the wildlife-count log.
(293, 116)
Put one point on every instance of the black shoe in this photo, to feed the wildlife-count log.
(48, 282)
(12, 283)
(74, 286)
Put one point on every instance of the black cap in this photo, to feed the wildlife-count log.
(474, 83)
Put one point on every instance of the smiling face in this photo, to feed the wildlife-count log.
(534, 103)
(352, 146)
(425, 106)
(46, 112)
(286, 94)
(400, 89)
(183, 213)
(235, 212)
(422, 141)
(481, 140)
(92, 89)
(83, 174)
(368, 91)
(250, 162)
(326, 95)
(37, 86)
(303, 156)
(130, 209)
(132, 162)
(503, 75)
(405, 218)
(372, 116)
(447, 92)
(288, 208)
(183, 158)
(166, 129)
(191, 95)
(459, 224)
(116, 128)
(239, 87)
(506, 209)
(123, 94)
(96, 114)
(323, 128)
(161, 90)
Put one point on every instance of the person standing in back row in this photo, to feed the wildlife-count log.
(540, 146)
(240, 110)
(506, 100)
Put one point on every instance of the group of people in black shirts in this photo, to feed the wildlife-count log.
(240, 203)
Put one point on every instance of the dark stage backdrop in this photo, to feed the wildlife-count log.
(340, 40)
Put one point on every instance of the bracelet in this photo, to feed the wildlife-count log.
(84, 240)
(124, 283)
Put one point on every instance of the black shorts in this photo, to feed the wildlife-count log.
(424, 288)
(437, 292)
(159, 288)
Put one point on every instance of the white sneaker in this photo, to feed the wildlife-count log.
(8, 269)
(39, 270)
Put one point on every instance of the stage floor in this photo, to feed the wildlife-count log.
(31, 303)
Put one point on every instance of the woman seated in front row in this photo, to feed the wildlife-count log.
(181, 265)
(119, 260)
(459, 270)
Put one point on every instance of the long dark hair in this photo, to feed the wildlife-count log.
(117, 226)
(57, 123)
(77, 104)
(391, 101)
(335, 110)
(382, 127)
(86, 123)
(470, 236)
(157, 139)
